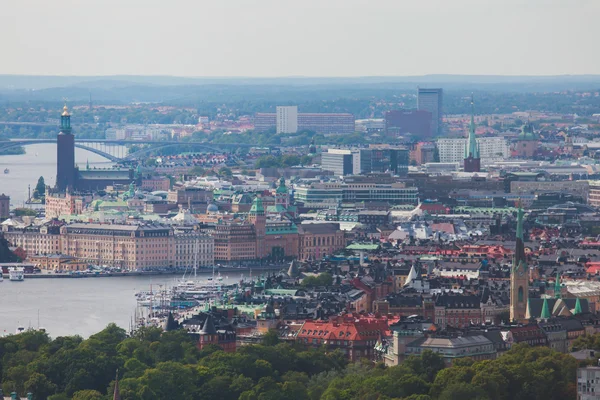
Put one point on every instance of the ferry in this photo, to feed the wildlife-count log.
(16, 274)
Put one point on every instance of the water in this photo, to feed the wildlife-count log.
(39, 160)
(77, 306)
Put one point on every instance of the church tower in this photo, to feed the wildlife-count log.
(472, 162)
(519, 276)
(65, 154)
(257, 217)
(282, 197)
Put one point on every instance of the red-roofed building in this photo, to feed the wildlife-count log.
(434, 208)
(356, 336)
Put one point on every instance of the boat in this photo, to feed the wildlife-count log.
(6, 170)
(16, 274)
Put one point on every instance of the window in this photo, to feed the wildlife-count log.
(520, 294)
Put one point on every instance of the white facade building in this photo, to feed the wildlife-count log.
(490, 149)
(287, 119)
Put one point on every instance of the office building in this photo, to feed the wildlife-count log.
(588, 383)
(417, 123)
(381, 160)
(432, 100)
(323, 123)
(490, 149)
(265, 121)
(324, 195)
(338, 161)
(287, 119)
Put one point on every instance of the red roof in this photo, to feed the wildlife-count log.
(345, 328)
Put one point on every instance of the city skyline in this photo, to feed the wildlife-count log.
(262, 39)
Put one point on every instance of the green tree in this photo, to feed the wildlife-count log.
(40, 188)
(271, 338)
(88, 395)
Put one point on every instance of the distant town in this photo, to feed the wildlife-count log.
(464, 235)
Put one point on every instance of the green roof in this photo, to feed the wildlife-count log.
(362, 246)
(257, 206)
(282, 292)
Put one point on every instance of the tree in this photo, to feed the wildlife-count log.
(271, 338)
(88, 395)
(40, 188)
(40, 386)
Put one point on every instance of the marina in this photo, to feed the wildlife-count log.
(79, 306)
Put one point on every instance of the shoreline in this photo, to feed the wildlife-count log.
(82, 275)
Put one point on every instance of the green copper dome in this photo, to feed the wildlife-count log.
(527, 133)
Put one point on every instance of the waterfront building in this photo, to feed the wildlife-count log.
(282, 240)
(318, 240)
(417, 123)
(69, 177)
(338, 161)
(193, 248)
(58, 262)
(118, 245)
(34, 239)
(4, 206)
(431, 100)
(234, 241)
(287, 119)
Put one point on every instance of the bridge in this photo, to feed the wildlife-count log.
(115, 150)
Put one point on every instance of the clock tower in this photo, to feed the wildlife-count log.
(519, 276)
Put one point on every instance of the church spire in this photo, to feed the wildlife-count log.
(578, 309)
(520, 224)
(545, 310)
(557, 286)
(472, 148)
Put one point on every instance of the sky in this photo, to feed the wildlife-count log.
(268, 38)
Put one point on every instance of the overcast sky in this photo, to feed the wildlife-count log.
(300, 37)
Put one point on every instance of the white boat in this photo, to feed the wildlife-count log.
(16, 274)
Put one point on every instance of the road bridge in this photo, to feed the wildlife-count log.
(114, 149)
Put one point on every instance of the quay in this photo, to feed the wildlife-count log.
(82, 274)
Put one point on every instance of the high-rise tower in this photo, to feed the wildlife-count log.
(519, 276)
(472, 158)
(431, 100)
(65, 154)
